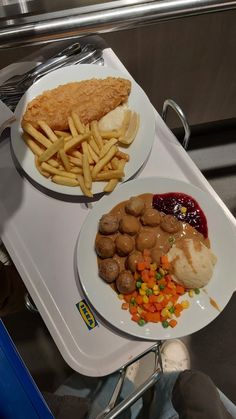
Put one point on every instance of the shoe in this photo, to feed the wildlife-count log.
(174, 356)
(4, 256)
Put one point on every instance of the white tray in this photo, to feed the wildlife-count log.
(40, 233)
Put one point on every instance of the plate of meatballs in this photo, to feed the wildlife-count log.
(144, 217)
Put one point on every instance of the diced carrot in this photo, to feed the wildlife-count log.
(173, 322)
(165, 262)
(139, 299)
(158, 306)
(133, 309)
(180, 290)
(141, 266)
(125, 306)
(145, 276)
(153, 298)
(149, 307)
(151, 283)
(135, 318)
(156, 317)
(178, 307)
(151, 274)
(127, 298)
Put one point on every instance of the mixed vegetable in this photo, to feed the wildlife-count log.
(157, 296)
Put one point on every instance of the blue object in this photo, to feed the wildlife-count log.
(20, 398)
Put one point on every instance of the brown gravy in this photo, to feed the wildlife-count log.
(164, 240)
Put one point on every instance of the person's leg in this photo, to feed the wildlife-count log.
(195, 396)
(175, 358)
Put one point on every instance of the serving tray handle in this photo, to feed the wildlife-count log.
(170, 103)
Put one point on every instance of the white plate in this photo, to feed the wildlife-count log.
(138, 101)
(201, 311)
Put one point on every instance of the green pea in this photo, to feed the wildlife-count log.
(162, 287)
(149, 291)
(165, 324)
(158, 275)
(172, 309)
(141, 322)
(197, 291)
(133, 301)
(138, 284)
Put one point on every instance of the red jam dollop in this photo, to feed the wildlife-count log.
(183, 207)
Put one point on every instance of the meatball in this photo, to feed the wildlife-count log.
(170, 224)
(145, 240)
(105, 247)
(156, 254)
(135, 206)
(108, 224)
(108, 270)
(133, 259)
(129, 224)
(125, 282)
(151, 217)
(124, 244)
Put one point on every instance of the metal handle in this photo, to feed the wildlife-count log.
(111, 411)
(169, 103)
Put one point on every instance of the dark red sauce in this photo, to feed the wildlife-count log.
(171, 203)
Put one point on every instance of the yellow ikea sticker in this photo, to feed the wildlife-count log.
(87, 314)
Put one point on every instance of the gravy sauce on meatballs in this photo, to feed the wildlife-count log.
(156, 232)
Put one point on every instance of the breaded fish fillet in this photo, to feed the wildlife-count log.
(90, 99)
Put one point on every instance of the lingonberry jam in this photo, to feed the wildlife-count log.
(183, 207)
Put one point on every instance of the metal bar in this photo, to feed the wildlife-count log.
(169, 103)
(108, 19)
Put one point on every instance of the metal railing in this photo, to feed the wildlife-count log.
(104, 17)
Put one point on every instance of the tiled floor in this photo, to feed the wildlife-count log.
(213, 349)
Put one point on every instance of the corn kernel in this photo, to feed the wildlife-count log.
(142, 292)
(162, 272)
(155, 292)
(120, 296)
(145, 299)
(191, 293)
(140, 310)
(155, 288)
(169, 304)
(153, 266)
(144, 286)
(164, 312)
(169, 314)
(185, 304)
(160, 298)
(183, 210)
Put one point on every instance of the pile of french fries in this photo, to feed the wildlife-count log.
(82, 155)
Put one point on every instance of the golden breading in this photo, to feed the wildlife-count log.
(90, 99)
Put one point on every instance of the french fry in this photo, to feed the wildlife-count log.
(53, 149)
(121, 155)
(86, 171)
(72, 127)
(48, 131)
(96, 134)
(105, 160)
(85, 191)
(107, 147)
(65, 160)
(75, 161)
(67, 138)
(115, 163)
(39, 168)
(93, 154)
(85, 151)
(111, 134)
(94, 146)
(110, 174)
(76, 170)
(74, 142)
(78, 124)
(38, 136)
(36, 149)
(55, 171)
(110, 186)
(61, 133)
(76, 153)
(65, 181)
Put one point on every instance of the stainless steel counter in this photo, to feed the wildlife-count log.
(30, 22)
